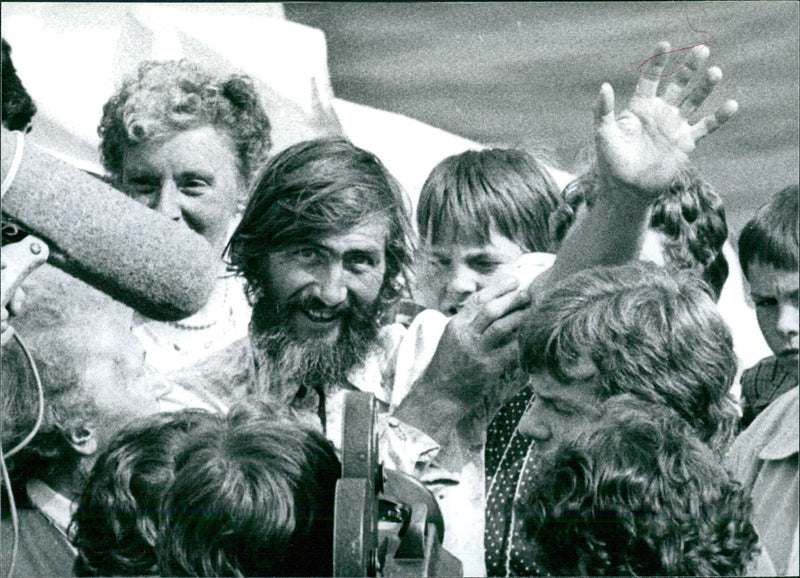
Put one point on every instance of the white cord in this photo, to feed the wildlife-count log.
(14, 519)
(15, 164)
(6, 478)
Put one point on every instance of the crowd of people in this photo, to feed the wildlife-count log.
(550, 363)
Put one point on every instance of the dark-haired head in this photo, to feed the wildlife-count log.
(768, 250)
(479, 211)
(637, 493)
(116, 524)
(771, 236)
(649, 332)
(18, 107)
(317, 189)
(468, 194)
(253, 497)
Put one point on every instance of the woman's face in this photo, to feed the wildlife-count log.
(192, 177)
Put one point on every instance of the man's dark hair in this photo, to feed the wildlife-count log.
(638, 494)
(116, 524)
(18, 107)
(253, 497)
(650, 332)
(771, 236)
(315, 189)
(467, 194)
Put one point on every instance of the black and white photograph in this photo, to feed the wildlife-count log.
(400, 289)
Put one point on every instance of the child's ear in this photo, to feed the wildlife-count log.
(83, 439)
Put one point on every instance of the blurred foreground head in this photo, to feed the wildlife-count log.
(253, 496)
(637, 494)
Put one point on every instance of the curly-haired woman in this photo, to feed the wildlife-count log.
(186, 142)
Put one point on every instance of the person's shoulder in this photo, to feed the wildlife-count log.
(759, 372)
(223, 373)
(769, 366)
(781, 413)
(773, 434)
(42, 550)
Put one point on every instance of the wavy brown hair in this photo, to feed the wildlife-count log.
(638, 494)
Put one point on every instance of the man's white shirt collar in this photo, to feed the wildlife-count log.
(56, 507)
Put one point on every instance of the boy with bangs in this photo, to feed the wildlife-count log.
(768, 252)
(764, 456)
(478, 213)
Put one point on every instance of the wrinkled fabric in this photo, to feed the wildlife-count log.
(44, 549)
(764, 458)
(764, 383)
(396, 363)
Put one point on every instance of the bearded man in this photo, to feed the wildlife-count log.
(324, 246)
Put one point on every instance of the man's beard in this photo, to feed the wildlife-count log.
(291, 365)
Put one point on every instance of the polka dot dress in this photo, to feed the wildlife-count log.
(508, 469)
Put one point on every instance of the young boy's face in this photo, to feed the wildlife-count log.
(451, 272)
(775, 293)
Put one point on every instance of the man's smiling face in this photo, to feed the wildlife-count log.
(315, 285)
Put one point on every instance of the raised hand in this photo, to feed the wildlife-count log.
(643, 147)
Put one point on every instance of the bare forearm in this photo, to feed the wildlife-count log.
(611, 234)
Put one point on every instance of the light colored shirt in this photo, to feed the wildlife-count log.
(764, 458)
(172, 345)
(57, 508)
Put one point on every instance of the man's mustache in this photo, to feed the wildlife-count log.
(312, 303)
(268, 314)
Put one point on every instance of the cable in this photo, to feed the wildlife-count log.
(14, 519)
(15, 164)
(6, 478)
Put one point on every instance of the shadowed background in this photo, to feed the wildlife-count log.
(527, 74)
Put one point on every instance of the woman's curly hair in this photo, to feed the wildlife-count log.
(167, 97)
(638, 494)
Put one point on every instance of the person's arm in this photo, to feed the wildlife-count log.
(477, 346)
(638, 154)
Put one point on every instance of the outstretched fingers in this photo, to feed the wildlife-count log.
(651, 72)
(700, 92)
(675, 91)
(708, 124)
(604, 107)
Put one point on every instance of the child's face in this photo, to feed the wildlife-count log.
(775, 293)
(451, 272)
